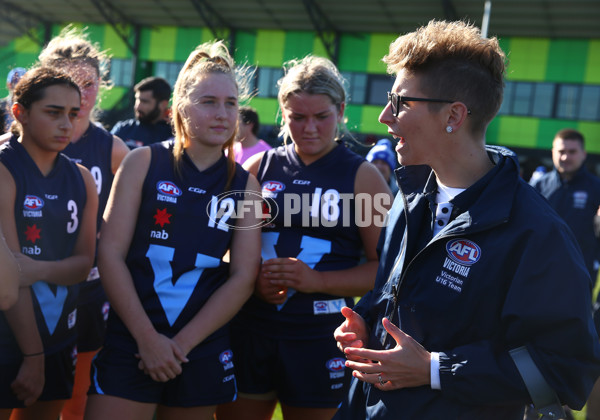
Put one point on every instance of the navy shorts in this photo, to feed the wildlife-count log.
(303, 373)
(92, 312)
(59, 375)
(206, 380)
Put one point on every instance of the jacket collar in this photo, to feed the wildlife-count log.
(484, 203)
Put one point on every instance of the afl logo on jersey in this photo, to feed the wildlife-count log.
(168, 188)
(167, 191)
(463, 251)
(336, 364)
(226, 359)
(33, 202)
(271, 188)
(320, 307)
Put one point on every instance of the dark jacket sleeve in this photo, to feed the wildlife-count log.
(547, 308)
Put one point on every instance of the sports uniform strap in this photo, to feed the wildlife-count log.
(262, 166)
(544, 398)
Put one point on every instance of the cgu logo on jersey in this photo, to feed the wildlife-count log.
(463, 251)
(167, 191)
(32, 206)
(271, 188)
(226, 359)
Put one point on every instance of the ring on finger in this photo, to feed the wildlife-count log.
(381, 382)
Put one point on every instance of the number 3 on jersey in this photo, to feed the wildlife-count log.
(74, 222)
(174, 296)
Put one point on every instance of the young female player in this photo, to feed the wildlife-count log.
(101, 152)
(48, 215)
(9, 275)
(171, 218)
(332, 204)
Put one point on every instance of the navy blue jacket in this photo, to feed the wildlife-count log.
(576, 201)
(505, 272)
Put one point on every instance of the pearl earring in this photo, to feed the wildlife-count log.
(449, 129)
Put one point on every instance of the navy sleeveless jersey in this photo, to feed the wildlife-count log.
(48, 212)
(176, 253)
(94, 151)
(314, 222)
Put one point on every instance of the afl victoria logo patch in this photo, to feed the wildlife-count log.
(463, 251)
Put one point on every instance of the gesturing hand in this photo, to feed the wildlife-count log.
(406, 365)
(353, 332)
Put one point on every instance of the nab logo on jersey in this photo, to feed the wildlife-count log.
(336, 364)
(168, 188)
(463, 251)
(33, 202)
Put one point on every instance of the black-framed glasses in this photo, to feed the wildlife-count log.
(396, 100)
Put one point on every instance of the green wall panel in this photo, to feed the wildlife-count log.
(319, 48)
(95, 33)
(591, 133)
(354, 51)
(24, 45)
(505, 46)
(112, 97)
(592, 68)
(379, 46)
(547, 130)
(298, 44)
(162, 43)
(370, 120)
(187, 39)
(567, 60)
(245, 46)
(491, 135)
(207, 35)
(118, 49)
(269, 48)
(145, 40)
(528, 58)
(267, 109)
(353, 115)
(25, 60)
(517, 131)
